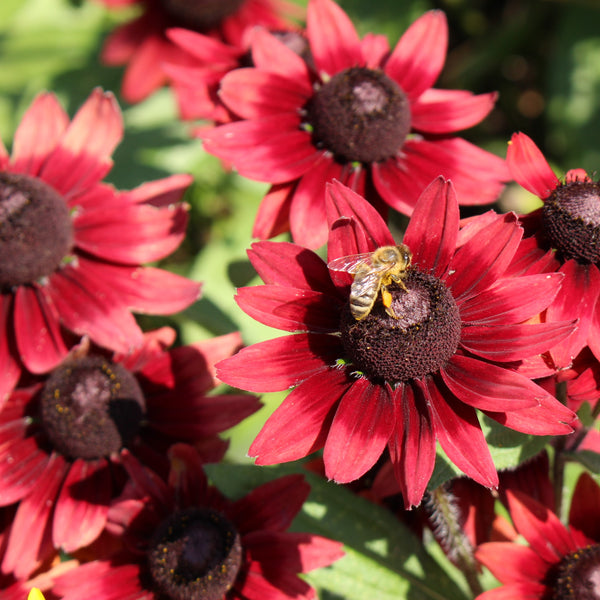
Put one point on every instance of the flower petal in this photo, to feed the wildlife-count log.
(37, 329)
(284, 362)
(512, 300)
(82, 506)
(489, 387)
(458, 431)
(484, 258)
(412, 444)
(528, 167)
(586, 498)
(360, 431)
(300, 425)
(433, 229)
(159, 193)
(419, 55)
(9, 365)
(334, 43)
(273, 215)
(512, 563)
(290, 309)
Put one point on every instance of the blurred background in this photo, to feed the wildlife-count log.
(542, 56)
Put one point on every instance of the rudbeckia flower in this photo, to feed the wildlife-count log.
(142, 44)
(63, 438)
(72, 246)
(399, 382)
(559, 561)
(356, 112)
(190, 542)
(566, 230)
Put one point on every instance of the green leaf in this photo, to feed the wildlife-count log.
(384, 560)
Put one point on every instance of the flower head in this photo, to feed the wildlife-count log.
(562, 236)
(72, 246)
(190, 542)
(356, 112)
(64, 437)
(402, 381)
(142, 44)
(560, 561)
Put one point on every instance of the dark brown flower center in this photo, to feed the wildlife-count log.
(195, 555)
(200, 15)
(91, 408)
(577, 576)
(360, 115)
(572, 220)
(419, 341)
(36, 231)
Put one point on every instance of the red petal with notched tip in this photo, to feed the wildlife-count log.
(512, 300)
(540, 527)
(82, 505)
(451, 111)
(412, 444)
(272, 506)
(29, 543)
(528, 167)
(512, 563)
(160, 193)
(38, 134)
(280, 363)
(203, 47)
(334, 43)
(290, 309)
(301, 423)
(489, 387)
(459, 433)
(419, 55)
(37, 329)
(362, 425)
(507, 343)
(255, 93)
(484, 258)
(432, 231)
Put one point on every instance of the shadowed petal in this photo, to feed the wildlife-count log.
(9, 366)
(586, 500)
(290, 309)
(37, 329)
(301, 423)
(160, 193)
(82, 506)
(333, 40)
(361, 428)
(528, 166)
(273, 216)
(284, 362)
(432, 231)
(419, 55)
(412, 444)
(458, 431)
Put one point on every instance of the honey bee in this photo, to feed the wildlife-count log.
(374, 271)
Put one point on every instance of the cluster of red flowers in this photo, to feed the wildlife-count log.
(393, 349)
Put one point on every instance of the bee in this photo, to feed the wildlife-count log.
(374, 271)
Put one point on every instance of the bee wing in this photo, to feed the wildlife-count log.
(365, 283)
(350, 264)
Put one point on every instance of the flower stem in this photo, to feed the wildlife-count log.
(558, 468)
(445, 515)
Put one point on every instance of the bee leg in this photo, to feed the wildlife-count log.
(398, 280)
(386, 298)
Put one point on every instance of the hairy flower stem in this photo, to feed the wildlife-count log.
(445, 515)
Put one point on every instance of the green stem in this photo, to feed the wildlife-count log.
(445, 515)
(558, 468)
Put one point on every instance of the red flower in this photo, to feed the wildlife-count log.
(560, 561)
(62, 440)
(189, 541)
(72, 246)
(562, 235)
(143, 46)
(363, 115)
(400, 383)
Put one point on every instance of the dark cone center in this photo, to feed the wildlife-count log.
(200, 15)
(360, 115)
(36, 231)
(572, 220)
(91, 408)
(419, 341)
(577, 576)
(195, 555)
